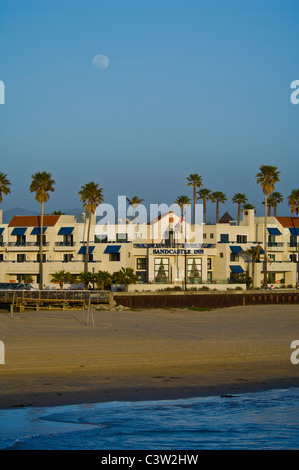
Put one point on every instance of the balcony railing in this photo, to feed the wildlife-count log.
(27, 244)
(65, 243)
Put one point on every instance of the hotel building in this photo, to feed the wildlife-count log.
(157, 252)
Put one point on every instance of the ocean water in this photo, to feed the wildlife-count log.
(253, 421)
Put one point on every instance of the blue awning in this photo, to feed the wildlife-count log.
(274, 231)
(112, 249)
(236, 269)
(1, 230)
(66, 230)
(19, 231)
(294, 231)
(235, 249)
(82, 250)
(36, 230)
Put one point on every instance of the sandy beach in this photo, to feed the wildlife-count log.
(54, 358)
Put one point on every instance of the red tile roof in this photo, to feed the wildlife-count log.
(288, 221)
(33, 221)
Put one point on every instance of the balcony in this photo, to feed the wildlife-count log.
(275, 246)
(64, 246)
(26, 246)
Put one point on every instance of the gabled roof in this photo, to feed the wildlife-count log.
(226, 218)
(288, 221)
(33, 221)
(161, 216)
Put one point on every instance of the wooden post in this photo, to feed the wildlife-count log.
(12, 305)
(89, 313)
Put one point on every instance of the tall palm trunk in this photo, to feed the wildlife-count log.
(194, 202)
(86, 258)
(265, 246)
(239, 213)
(41, 237)
(217, 212)
(205, 210)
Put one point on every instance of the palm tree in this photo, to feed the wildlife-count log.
(267, 177)
(270, 204)
(248, 206)
(125, 276)
(91, 196)
(293, 202)
(182, 201)
(277, 198)
(103, 279)
(4, 185)
(218, 197)
(254, 254)
(41, 184)
(205, 195)
(61, 277)
(86, 277)
(134, 202)
(57, 213)
(239, 199)
(195, 181)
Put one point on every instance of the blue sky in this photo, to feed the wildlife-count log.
(193, 86)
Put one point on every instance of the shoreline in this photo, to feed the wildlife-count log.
(131, 395)
(55, 359)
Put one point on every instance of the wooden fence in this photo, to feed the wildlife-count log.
(205, 300)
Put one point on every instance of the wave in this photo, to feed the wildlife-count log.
(253, 420)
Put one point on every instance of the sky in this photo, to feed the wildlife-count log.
(190, 86)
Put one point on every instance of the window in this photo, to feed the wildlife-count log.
(293, 257)
(21, 239)
(38, 239)
(68, 239)
(224, 238)
(241, 238)
(170, 239)
(211, 235)
(38, 257)
(220, 255)
(204, 236)
(1, 257)
(122, 237)
(67, 257)
(271, 257)
(141, 263)
(114, 256)
(21, 257)
(194, 270)
(1, 239)
(100, 239)
(209, 263)
(293, 240)
(234, 257)
(209, 276)
(162, 270)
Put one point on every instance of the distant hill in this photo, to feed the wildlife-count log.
(10, 213)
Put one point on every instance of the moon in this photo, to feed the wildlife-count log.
(100, 61)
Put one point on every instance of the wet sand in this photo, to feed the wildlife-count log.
(54, 358)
